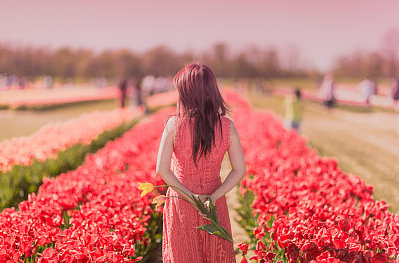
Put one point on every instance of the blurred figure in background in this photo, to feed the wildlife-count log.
(10, 81)
(48, 82)
(147, 85)
(293, 111)
(326, 92)
(395, 92)
(138, 100)
(21, 82)
(122, 94)
(367, 88)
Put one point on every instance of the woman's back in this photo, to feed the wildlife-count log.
(206, 173)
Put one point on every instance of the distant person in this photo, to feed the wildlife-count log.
(367, 89)
(327, 91)
(21, 83)
(395, 91)
(138, 94)
(48, 82)
(9, 81)
(293, 111)
(123, 91)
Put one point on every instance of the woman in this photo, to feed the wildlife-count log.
(192, 148)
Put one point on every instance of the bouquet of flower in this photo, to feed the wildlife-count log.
(214, 228)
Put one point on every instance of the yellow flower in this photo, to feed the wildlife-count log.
(146, 187)
(159, 200)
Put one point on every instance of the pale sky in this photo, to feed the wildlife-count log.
(321, 29)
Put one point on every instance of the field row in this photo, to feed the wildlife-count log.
(42, 99)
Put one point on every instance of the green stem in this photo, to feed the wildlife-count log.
(202, 209)
(178, 197)
(192, 198)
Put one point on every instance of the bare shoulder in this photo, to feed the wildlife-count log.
(233, 130)
(169, 130)
(235, 150)
(170, 125)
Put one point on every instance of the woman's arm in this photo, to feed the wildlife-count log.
(164, 159)
(238, 168)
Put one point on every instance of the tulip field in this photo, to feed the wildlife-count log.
(296, 205)
(307, 209)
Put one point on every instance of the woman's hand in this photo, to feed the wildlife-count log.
(203, 199)
(207, 202)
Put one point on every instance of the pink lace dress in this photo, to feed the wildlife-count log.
(182, 242)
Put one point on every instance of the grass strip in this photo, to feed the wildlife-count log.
(4, 107)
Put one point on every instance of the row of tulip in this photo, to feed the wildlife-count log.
(32, 99)
(55, 137)
(307, 209)
(93, 214)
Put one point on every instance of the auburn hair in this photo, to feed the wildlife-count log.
(201, 103)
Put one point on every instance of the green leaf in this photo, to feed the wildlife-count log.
(201, 207)
(217, 231)
(211, 229)
(214, 214)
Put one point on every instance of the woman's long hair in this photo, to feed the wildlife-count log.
(201, 103)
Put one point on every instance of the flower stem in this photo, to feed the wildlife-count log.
(178, 196)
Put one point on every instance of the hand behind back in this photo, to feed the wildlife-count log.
(204, 200)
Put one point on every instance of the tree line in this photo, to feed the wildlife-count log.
(366, 64)
(383, 62)
(66, 63)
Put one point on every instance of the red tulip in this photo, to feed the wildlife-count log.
(243, 247)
